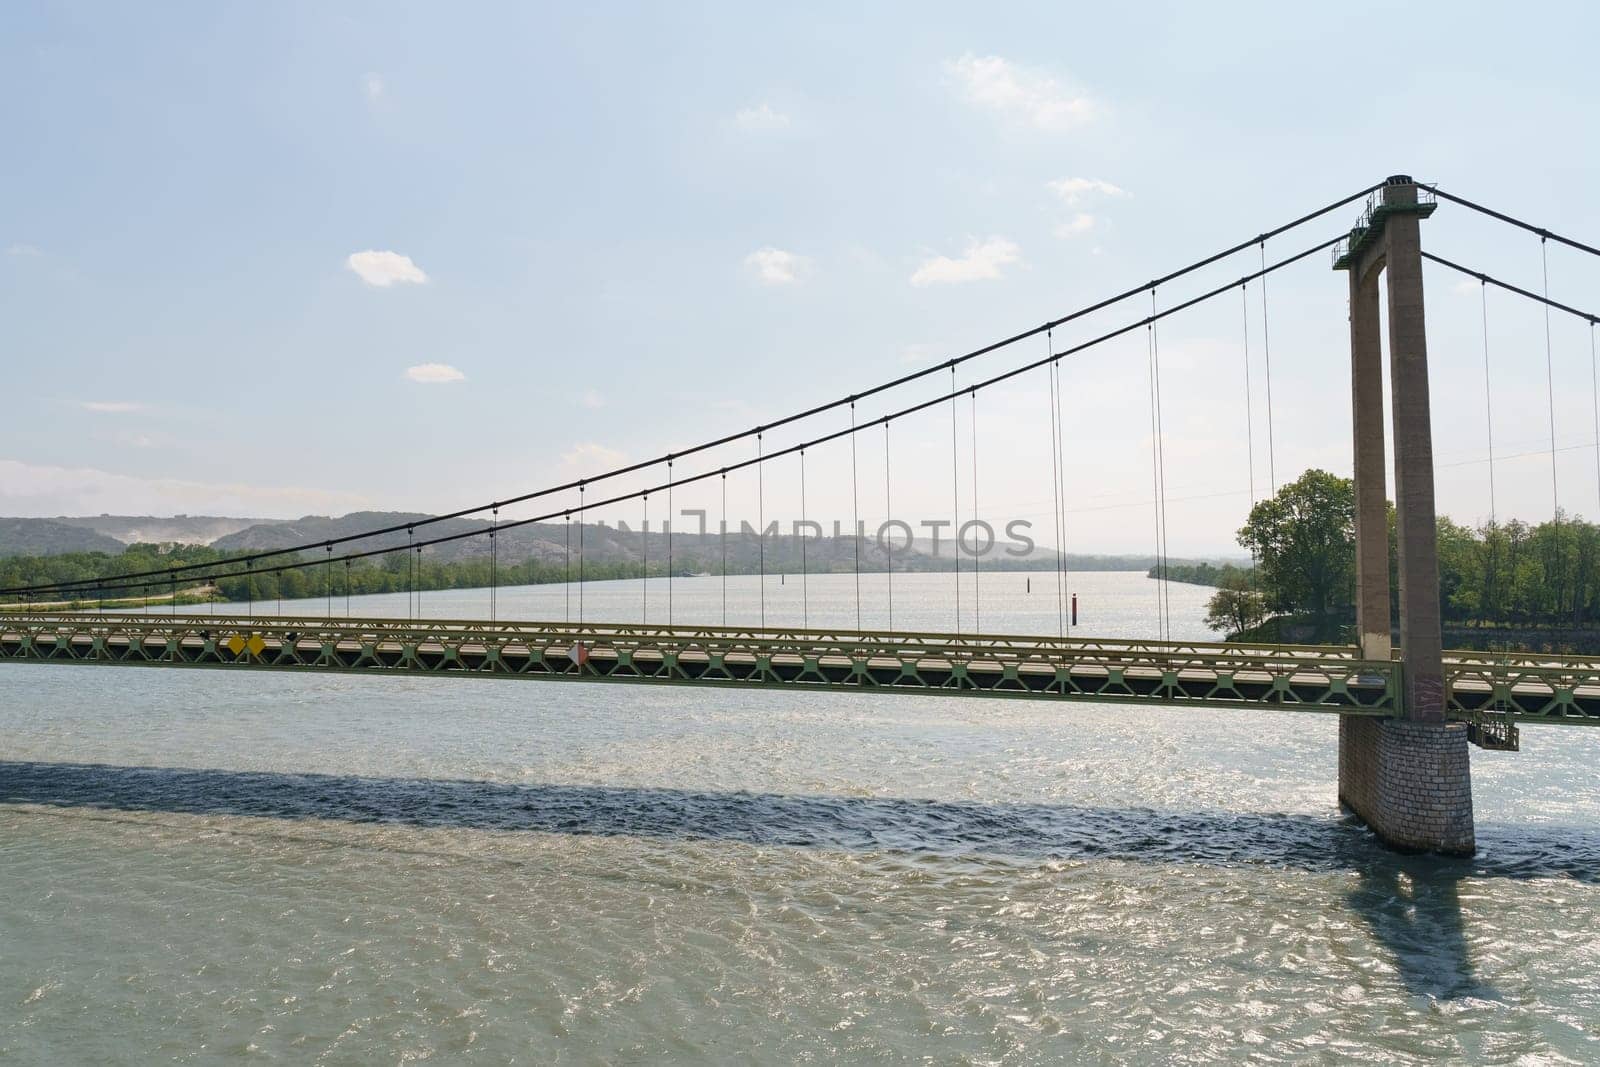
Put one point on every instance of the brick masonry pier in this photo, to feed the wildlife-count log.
(1410, 781)
(1409, 778)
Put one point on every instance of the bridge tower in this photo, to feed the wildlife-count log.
(1408, 778)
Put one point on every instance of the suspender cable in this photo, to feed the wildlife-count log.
(347, 589)
(1055, 483)
(249, 589)
(821, 438)
(1155, 476)
(888, 508)
(1488, 394)
(411, 576)
(724, 535)
(1249, 419)
(977, 557)
(419, 581)
(581, 503)
(761, 523)
(955, 494)
(327, 579)
(1061, 502)
(855, 498)
(1549, 377)
(644, 558)
(494, 564)
(670, 516)
(566, 555)
(1161, 453)
(1266, 354)
(805, 590)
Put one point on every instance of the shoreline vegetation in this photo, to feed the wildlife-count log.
(404, 571)
(1502, 585)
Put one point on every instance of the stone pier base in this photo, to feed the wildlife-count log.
(1410, 781)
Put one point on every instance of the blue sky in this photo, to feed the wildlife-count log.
(603, 232)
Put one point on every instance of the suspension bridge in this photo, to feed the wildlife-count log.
(1407, 713)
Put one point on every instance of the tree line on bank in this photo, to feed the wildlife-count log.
(1506, 575)
(398, 572)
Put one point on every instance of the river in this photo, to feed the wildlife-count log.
(209, 867)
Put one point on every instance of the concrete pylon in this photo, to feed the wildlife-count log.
(1409, 778)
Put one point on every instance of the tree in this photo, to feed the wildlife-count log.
(1304, 543)
(1235, 607)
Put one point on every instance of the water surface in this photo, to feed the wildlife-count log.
(204, 866)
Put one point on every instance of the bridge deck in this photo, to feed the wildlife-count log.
(1527, 688)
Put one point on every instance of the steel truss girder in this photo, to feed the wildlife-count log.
(1523, 687)
(1203, 674)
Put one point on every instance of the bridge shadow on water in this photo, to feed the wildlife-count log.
(1411, 903)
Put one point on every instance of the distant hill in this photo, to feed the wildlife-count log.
(52, 537)
(549, 542)
(155, 530)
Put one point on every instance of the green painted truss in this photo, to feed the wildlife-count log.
(1286, 677)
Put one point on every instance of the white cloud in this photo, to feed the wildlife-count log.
(112, 407)
(434, 373)
(1018, 93)
(31, 489)
(1467, 287)
(592, 399)
(1077, 226)
(916, 354)
(383, 269)
(760, 118)
(372, 85)
(588, 458)
(774, 266)
(1074, 190)
(982, 260)
(20, 249)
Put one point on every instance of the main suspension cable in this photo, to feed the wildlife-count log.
(1587, 316)
(1543, 233)
(795, 417)
(124, 581)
